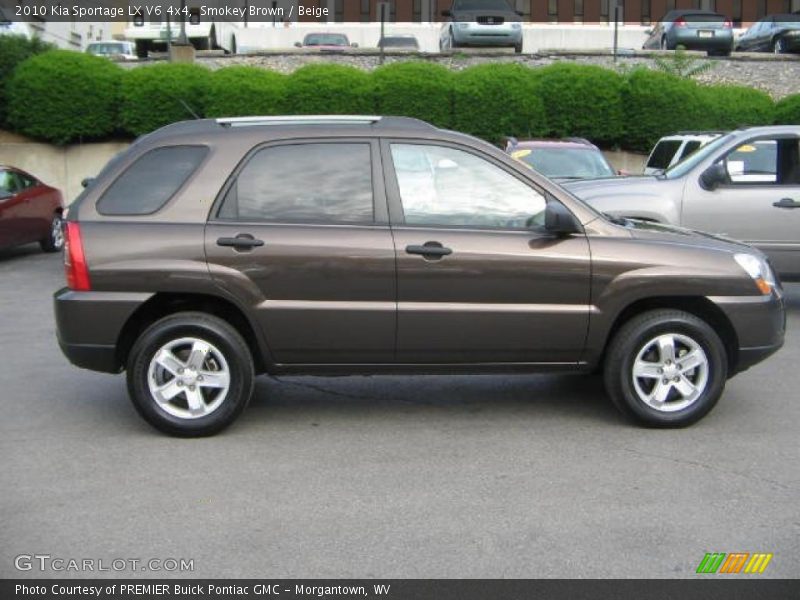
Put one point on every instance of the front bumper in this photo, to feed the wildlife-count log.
(89, 326)
(759, 323)
(476, 34)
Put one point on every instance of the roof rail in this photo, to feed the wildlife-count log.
(298, 120)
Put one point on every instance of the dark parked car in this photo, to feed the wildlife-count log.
(562, 160)
(693, 30)
(326, 41)
(399, 42)
(214, 250)
(30, 211)
(776, 33)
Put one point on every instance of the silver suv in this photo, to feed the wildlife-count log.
(744, 185)
(481, 23)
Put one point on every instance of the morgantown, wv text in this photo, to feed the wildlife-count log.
(192, 590)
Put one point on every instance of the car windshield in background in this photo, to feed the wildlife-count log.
(703, 18)
(481, 5)
(398, 42)
(325, 39)
(565, 163)
(687, 164)
(106, 49)
(663, 153)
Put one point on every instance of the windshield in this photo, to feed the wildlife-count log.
(481, 5)
(687, 164)
(567, 163)
(325, 39)
(399, 42)
(110, 48)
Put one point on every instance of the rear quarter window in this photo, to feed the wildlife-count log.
(662, 154)
(153, 178)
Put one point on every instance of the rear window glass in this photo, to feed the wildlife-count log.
(663, 153)
(149, 183)
(689, 148)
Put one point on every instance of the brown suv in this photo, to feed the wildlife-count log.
(214, 250)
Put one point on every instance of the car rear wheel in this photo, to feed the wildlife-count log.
(518, 48)
(190, 374)
(779, 46)
(666, 368)
(54, 241)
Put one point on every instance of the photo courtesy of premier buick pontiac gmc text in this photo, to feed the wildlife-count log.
(211, 251)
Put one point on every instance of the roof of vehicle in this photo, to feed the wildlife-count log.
(682, 135)
(577, 143)
(685, 12)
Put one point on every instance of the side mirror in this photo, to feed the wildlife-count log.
(713, 177)
(447, 13)
(87, 181)
(298, 45)
(558, 220)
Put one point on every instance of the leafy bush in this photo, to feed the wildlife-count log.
(415, 89)
(320, 89)
(583, 100)
(656, 104)
(242, 91)
(787, 111)
(732, 106)
(497, 100)
(13, 50)
(61, 96)
(154, 96)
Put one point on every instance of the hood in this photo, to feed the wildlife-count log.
(645, 197)
(472, 15)
(584, 188)
(671, 234)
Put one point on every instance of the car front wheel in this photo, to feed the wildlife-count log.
(666, 368)
(190, 374)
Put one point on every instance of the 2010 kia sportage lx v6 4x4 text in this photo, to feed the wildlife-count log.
(214, 250)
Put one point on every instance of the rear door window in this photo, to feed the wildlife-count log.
(662, 154)
(148, 184)
(689, 148)
(304, 183)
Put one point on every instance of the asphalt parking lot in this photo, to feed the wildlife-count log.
(485, 476)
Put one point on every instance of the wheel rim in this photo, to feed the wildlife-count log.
(670, 372)
(57, 233)
(779, 47)
(188, 378)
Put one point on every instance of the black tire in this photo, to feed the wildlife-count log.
(633, 338)
(54, 241)
(518, 48)
(225, 340)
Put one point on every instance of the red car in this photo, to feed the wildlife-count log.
(30, 211)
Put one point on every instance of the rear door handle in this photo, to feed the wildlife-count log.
(243, 241)
(429, 250)
(786, 203)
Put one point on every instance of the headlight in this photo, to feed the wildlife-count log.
(516, 26)
(759, 270)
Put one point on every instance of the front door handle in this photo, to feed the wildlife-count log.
(243, 241)
(786, 203)
(430, 250)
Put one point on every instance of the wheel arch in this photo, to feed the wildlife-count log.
(699, 306)
(164, 304)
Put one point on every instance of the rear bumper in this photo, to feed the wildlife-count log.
(89, 325)
(693, 42)
(759, 323)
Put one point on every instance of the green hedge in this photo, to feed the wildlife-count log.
(61, 96)
(14, 49)
(732, 106)
(493, 101)
(787, 111)
(656, 104)
(154, 96)
(415, 89)
(243, 91)
(320, 89)
(584, 101)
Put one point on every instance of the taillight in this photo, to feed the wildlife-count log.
(75, 268)
(727, 24)
(680, 22)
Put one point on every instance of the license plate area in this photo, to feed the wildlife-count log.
(705, 34)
